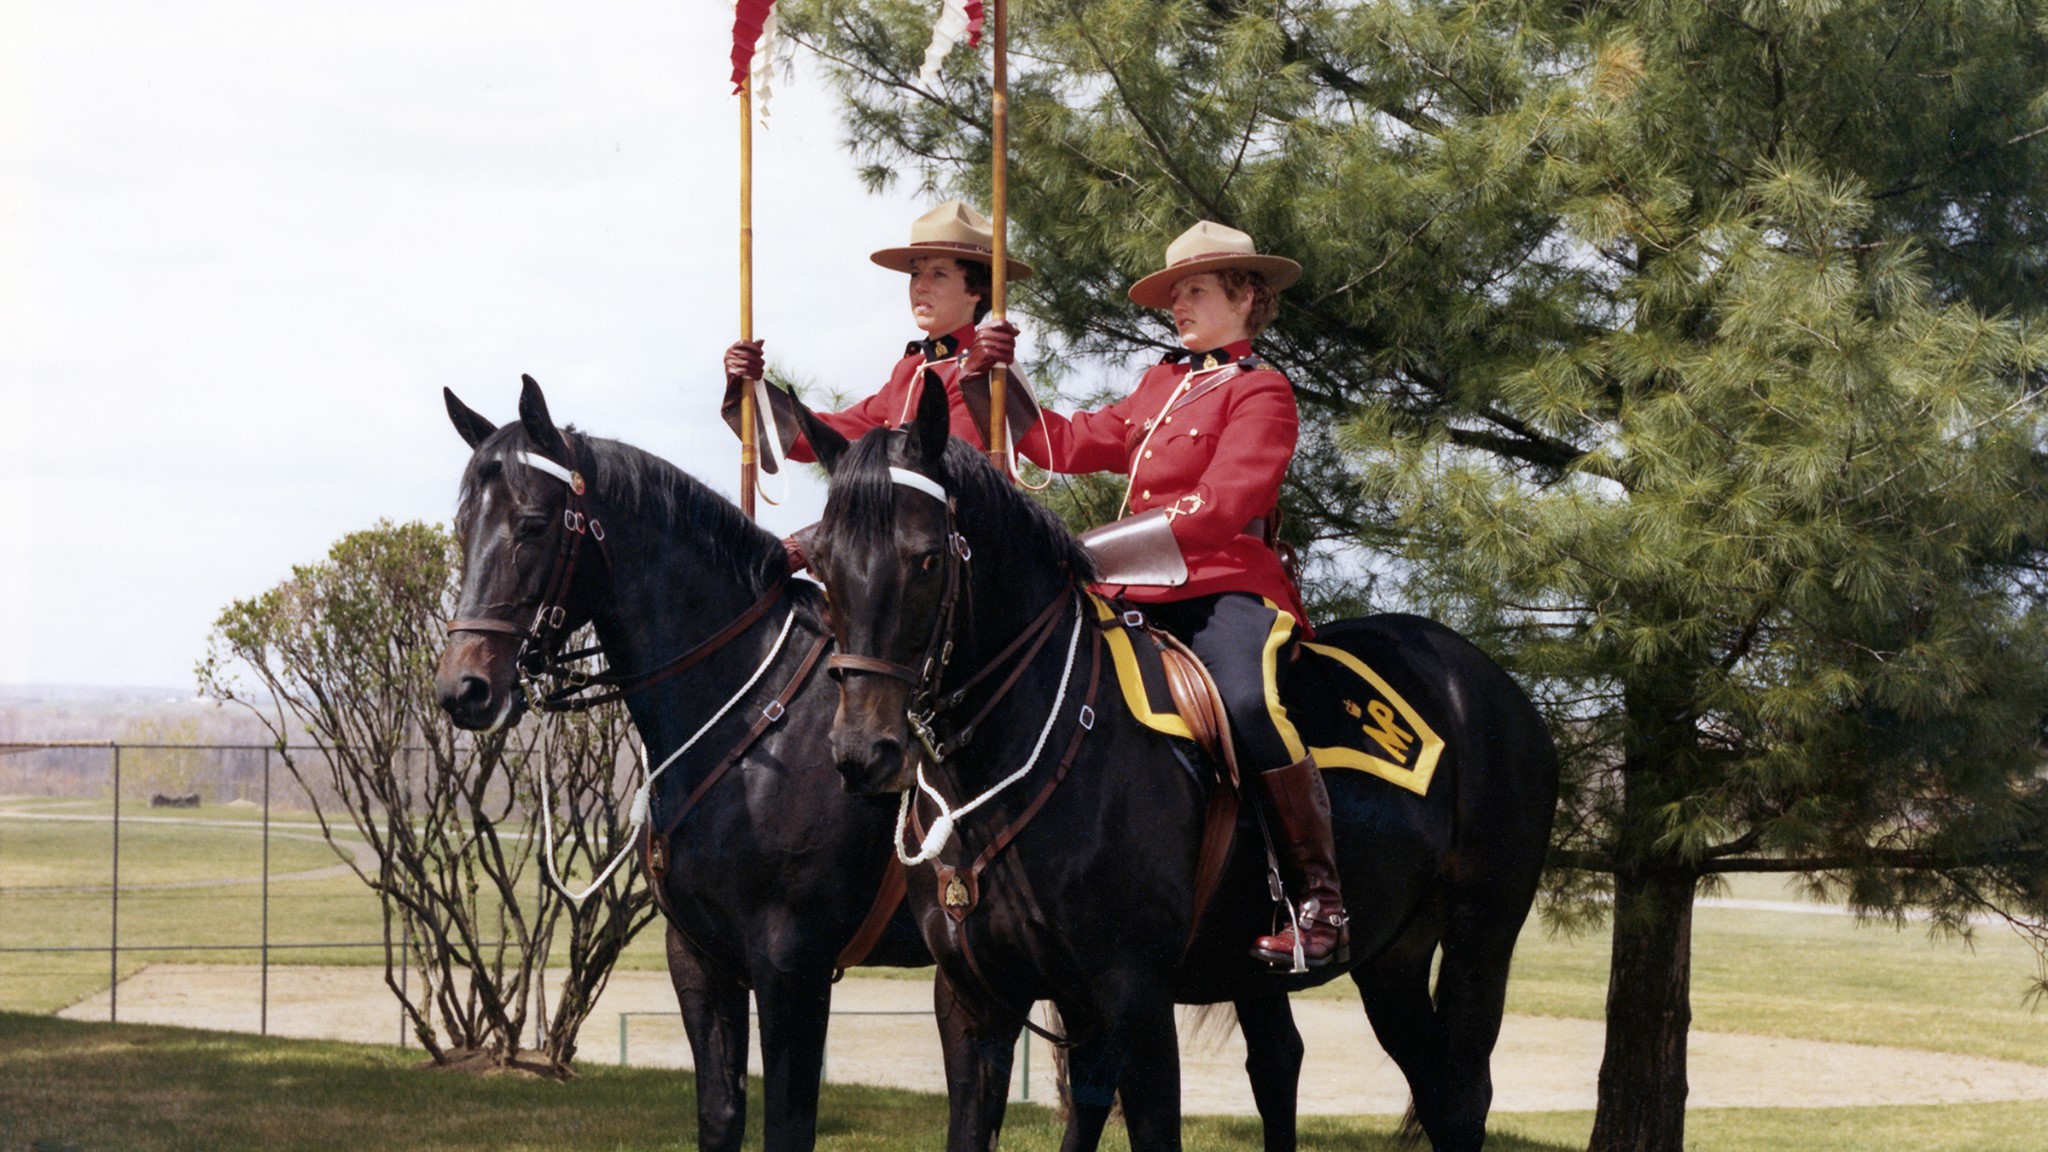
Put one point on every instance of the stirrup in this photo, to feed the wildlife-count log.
(1296, 958)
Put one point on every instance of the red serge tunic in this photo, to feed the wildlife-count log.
(896, 404)
(1211, 447)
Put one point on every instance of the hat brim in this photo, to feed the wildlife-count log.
(898, 259)
(1156, 290)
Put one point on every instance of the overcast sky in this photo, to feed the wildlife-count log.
(244, 245)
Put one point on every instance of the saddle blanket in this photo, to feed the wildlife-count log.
(1346, 713)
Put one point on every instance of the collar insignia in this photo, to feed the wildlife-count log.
(935, 349)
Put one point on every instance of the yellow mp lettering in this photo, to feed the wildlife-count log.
(1389, 735)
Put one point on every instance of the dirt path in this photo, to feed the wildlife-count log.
(882, 1034)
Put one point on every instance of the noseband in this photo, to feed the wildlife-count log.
(938, 650)
(926, 705)
(538, 638)
(535, 658)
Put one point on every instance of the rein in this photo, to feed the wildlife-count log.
(642, 797)
(538, 639)
(959, 887)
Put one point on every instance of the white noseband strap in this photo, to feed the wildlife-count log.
(924, 484)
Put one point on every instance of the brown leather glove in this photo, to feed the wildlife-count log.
(743, 362)
(743, 366)
(993, 344)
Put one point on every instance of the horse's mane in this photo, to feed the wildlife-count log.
(638, 483)
(1007, 527)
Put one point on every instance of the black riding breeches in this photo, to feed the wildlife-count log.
(1243, 640)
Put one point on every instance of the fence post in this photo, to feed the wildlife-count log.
(114, 924)
(263, 1027)
(1027, 1064)
(622, 1041)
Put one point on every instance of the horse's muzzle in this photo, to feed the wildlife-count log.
(871, 768)
(476, 685)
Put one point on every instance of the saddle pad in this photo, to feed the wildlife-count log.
(1144, 681)
(1352, 718)
(1345, 712)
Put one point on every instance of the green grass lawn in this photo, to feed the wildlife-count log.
(1791, 974)
(95, 1086)
(53, 893)
(1813, 977)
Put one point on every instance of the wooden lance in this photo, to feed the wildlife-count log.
(748, 446)
(999, 204)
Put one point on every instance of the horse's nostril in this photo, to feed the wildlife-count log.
(888, 754)
(475, 692)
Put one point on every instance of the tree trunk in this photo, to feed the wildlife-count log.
(1649, 1009)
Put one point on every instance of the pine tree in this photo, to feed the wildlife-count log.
(1687, 355)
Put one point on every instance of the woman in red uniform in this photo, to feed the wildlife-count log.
(948, 258)
(1205, 439)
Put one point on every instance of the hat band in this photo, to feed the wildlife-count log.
(954, 246)
(1208, 256)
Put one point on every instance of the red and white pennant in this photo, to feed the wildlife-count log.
(958, 18)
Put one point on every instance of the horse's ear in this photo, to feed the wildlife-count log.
(825, 440)
(468, 421)
(934, 420)
(540, 427)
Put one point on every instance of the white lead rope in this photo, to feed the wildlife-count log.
(942, 828)
(640, 797)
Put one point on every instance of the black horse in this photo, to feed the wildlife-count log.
(1090, 904)
(774, 867)
(775, 864)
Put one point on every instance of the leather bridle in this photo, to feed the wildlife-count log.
(536, 658)
(930, 671)
(927, 706)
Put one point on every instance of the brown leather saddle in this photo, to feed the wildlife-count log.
(1164, 679)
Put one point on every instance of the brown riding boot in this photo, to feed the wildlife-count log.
(1301, 807)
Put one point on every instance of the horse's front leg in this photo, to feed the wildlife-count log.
(794, 996)
(980, 1043)
(1272, 1059)
(1150, 1081)
(715, 1016)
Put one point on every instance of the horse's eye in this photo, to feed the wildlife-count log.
(928, 561)
(532, 526)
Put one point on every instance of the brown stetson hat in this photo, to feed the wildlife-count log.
(1210, 247)
(951, 229)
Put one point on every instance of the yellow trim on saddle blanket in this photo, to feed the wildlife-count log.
(1380, 720)
(1384, 720)
(1165, 719)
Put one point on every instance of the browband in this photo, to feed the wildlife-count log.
(574, 481)
(924, 484)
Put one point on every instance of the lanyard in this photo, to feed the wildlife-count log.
(1181, 391)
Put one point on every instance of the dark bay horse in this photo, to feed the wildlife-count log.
(775, 865)
(933, 561)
